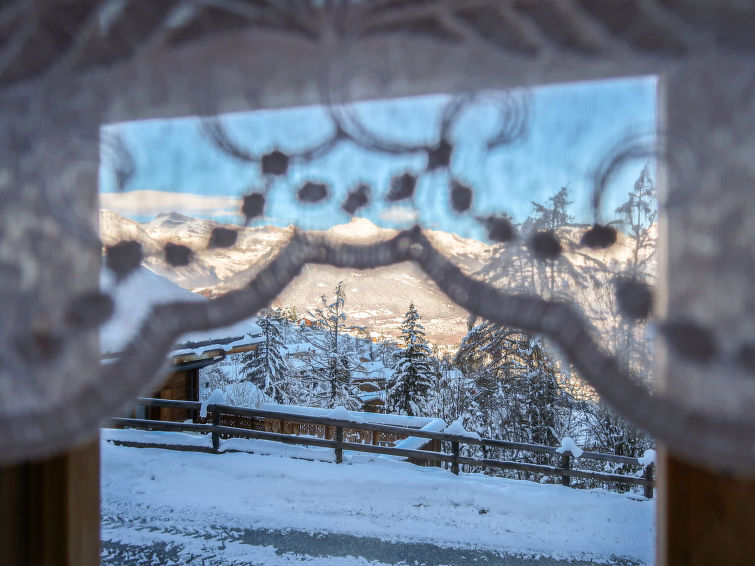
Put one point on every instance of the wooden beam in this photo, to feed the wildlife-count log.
(50, 510)
(704, 518)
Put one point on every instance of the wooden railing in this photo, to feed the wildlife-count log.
(565, 468)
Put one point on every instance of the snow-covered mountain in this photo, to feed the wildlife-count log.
(210, 267)
(376, 299)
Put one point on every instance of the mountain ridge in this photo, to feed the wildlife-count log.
(375, 298)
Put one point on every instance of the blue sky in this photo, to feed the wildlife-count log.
(570, 128)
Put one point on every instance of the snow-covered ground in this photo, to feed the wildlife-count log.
(173, 507)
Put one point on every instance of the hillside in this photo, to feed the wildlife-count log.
(375, 299)
(275, 507)
(210, 267)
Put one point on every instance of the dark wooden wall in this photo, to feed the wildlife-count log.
(704, 518)
(50, 510)
(181, 385)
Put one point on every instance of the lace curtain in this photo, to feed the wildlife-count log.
(68, 68)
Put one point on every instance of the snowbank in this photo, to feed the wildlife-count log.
(155, 437)
(213, 494)
(341, 414)
(376, 418)
(417, 442)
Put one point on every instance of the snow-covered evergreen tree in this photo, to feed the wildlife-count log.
(413, 373)
(289, 313)
(334, 360)
(266, 367)
(516, 391)
(451, 393)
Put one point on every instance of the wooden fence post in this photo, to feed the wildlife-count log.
(339, 446)
(648, 475)
(566, 465)
(215, 433)
(455, 450)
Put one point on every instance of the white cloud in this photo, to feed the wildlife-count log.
(399, 215)
(148, 203)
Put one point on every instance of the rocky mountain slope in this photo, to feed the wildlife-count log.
(375, 299)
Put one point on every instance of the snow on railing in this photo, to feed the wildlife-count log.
(340, 419)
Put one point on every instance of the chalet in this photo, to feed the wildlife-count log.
(372, 386)
(306, 323)
(373, 400)
(186, 361)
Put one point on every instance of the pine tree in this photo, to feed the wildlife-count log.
(413, 374)
(266, 367)
(516, 391)
(334, 360)
(543, 393)
(555, 214)
(551, 218)
(515, 267)
(638, 215)
(451, 394)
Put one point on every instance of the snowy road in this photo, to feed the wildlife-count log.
(169, 507)
(147, 543)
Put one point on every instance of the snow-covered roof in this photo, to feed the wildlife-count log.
(367, 396)
(375, 370)
(134, 299)
(356, 416)
(299, 347)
